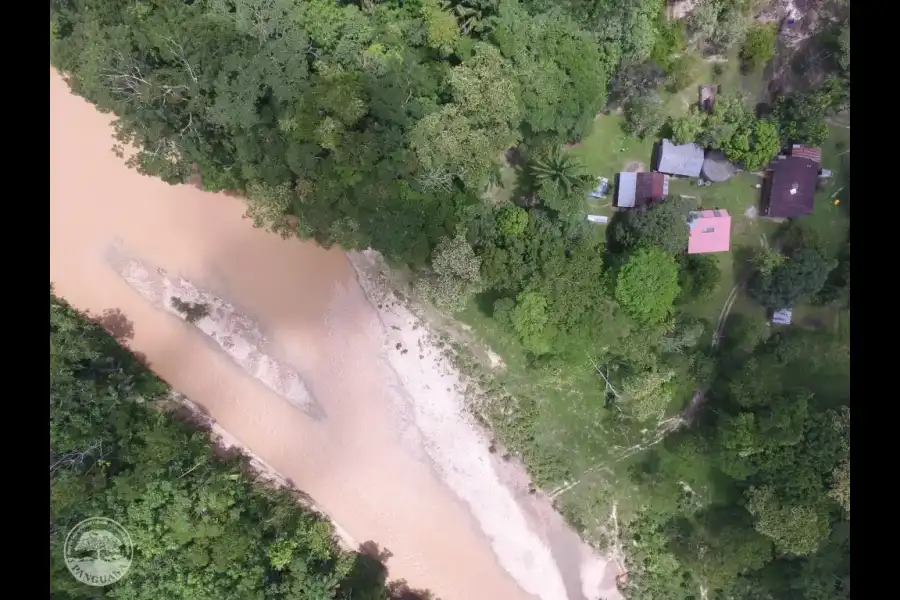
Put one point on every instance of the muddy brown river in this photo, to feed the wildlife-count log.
(316, 318)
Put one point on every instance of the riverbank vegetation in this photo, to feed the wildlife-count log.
(201, 524)
(644, 388)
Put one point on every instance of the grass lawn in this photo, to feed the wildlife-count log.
(830, 220)
(607, 150)
(569, 420)
(562, 425)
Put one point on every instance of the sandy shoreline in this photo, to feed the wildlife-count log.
(527, 534)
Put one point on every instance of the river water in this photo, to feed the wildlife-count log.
(314, 320)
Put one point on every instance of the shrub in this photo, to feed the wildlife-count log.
(661, 224)
(681, 73)
(512, 221)
(689, 127)
(634, 81)
(529, 319)
(643, 117)
(669, 41)
(502, 309)
(797, 279)
(759, 47)
(698, 276)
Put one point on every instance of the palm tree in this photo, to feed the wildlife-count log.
(560, 168)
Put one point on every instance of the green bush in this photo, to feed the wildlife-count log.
(758, 48)
(643, 117)
(502, 311)
(688, 128)
(681, 73)
(529, 319)
(698, 276)
(669, 41)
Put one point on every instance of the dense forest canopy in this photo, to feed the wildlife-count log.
(374, 124)
(384, 125)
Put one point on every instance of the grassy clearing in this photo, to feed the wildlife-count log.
(730, 78)
(832, 221)
(502, 191)
(606, 150)
(560, 425)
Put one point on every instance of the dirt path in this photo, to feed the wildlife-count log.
(723, 315)
(699, 397)
(364, 455)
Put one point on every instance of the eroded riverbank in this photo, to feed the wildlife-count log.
(388, 459)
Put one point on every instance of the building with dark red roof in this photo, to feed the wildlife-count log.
(790, 185)
(640, 189)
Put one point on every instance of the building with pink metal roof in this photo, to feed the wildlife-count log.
(710, 231)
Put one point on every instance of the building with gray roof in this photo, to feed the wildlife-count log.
(684, 159)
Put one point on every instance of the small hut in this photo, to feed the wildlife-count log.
(708, 97)
(782, 316)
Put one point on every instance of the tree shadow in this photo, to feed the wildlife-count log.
(485, 301)
(369, 567)
(117, 324)
(524, 192)
(666, 132)
(121, 329)
(371, 550)
(763, 109)
(400, 590)
(742, 265)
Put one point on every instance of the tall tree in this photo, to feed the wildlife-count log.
(663, 225)
(558, 168)
(465, 139)
(455, 275)
(647, 285)
(560, 67)
(799, 278)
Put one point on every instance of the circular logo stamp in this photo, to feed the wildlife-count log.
(98, 551)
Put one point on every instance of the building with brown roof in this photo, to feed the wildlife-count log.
(640, 189)
(790, 184)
